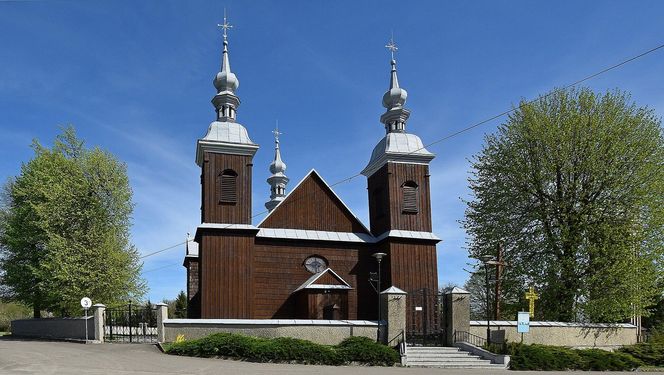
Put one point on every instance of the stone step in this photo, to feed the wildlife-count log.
(433, 348)
(448, 356)
(459, 366)
(444, 359)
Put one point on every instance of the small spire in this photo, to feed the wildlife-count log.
(278, 179)
(226, 82)
(393, 100)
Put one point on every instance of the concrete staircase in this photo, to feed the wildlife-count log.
(445, 357)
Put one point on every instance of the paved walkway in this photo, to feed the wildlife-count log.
(38, 357)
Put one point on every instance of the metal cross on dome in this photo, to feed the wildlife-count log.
(225, 26)
(276, 132)
(391, 46)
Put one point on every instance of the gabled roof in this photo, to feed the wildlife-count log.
(289, 199)
(311, 282)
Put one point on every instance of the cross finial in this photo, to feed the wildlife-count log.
(391, 46)
(225, 26)
(276, 132)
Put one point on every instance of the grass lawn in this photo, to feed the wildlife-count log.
(4, 333)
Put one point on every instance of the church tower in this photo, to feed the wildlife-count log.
(399, 196)
(225, 236)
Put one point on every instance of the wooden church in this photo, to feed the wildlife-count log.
(310, 257)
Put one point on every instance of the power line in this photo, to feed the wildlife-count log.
(463, 130)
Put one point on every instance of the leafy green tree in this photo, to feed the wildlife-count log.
(572, 185)
(64, 230)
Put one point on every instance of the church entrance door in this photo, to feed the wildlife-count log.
(425, 321)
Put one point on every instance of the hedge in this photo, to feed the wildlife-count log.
(543, 357)
(652, 354)
(286, 349)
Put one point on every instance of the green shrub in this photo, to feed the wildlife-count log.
(366, 350)
(544, 357)
(602, 360)
(651, 354)
(286, 349)
(295, 350)
(12, 311)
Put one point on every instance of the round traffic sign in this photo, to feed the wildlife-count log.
(86, 302)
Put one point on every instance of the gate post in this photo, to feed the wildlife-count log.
(457, 313)
(394, 313)
(99, 315)
(162, 314)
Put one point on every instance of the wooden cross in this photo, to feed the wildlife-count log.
(531, 296)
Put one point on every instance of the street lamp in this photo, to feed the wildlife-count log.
(487, 260)
(379, 257)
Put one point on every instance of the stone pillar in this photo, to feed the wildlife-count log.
(99, 313)
(457, 313)
(162, 315)
(393, 304)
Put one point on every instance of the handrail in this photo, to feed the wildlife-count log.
(463, 336)
(401, 342)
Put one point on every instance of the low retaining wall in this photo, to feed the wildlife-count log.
(577, 335)
(54, 328)
(328, 332)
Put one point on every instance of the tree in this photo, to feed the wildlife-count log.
(181, 305)
(64, 229)
(572, 185)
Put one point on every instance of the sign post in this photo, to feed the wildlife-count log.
(86, 303)
(523, 323)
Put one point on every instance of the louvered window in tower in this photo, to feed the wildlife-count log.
(228, 186)
(409, 197)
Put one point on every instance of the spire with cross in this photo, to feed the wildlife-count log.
(278, 179)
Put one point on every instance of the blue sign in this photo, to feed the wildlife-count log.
(523, 322)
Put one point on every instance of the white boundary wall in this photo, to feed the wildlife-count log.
(328, 332)
(577, 335)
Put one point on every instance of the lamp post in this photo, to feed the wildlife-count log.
(488, 260)
(379, 257)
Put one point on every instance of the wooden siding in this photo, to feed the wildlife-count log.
(214, 211)
(313, 206)
(412, 266)
(384, 188)
(226, 276)
(278, 271)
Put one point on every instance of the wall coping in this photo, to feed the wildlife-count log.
(273, 322)
(513, 323)
(54, 319)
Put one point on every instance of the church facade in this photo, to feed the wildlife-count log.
(310, 257)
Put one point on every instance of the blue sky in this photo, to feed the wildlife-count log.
(135, 78)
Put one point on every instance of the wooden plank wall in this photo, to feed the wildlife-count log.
(312, 206)
(388, 180)
(226, 275)
(278, 271)
(211, 210)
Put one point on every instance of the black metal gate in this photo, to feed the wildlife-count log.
(131, 324)
(425, 323)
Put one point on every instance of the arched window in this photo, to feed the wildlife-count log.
(409, 197)
(227, 185)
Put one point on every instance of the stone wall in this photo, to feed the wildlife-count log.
(54, 328)
(578, 335)
(329, 332)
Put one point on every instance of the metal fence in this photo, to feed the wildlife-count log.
(131, 325)
(425, 324)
